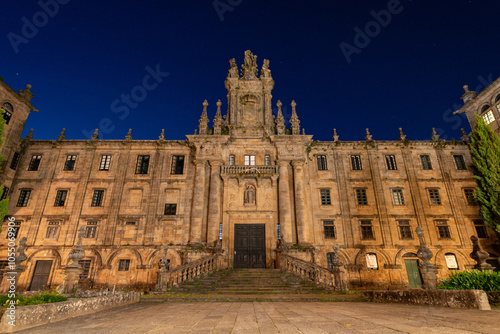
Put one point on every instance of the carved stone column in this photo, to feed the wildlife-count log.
(214, 203)
(11, 273)
(198, 202)
(479, 255)
(300, 203)
(285, 217)
(428, 270)
(74, 269)
(338, 273)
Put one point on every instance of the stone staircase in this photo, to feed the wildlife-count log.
(250, 285)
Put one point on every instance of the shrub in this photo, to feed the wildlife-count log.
(42, 298)
(472, 280)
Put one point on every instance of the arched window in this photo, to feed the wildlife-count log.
(451, 261)
(371, 261)
(250, 195)
(484, 108)
(9, 109)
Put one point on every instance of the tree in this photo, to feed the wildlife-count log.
(485, 152)
(4, 204)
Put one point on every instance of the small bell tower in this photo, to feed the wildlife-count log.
(249, 98)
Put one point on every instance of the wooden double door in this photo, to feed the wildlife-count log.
(249, 246)
(40, 275)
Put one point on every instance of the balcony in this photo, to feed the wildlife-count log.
(249, 169)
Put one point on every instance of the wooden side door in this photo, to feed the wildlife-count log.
(414, 277)
(40, 275)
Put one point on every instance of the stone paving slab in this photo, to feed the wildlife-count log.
(278, 317)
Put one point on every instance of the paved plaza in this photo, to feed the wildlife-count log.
(278, 317)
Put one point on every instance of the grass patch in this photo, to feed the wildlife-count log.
(42, 298)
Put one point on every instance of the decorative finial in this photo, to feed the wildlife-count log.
(294, 120)
(30, 135)
(280, 120)
(303, 131)
(435, 136)
(218, 120)
(402, 136)
(95, 136)
(465, 137)
(62, 136)
(204, 119)
(28, 86)
(265, 72)
(468, 95)
(162, 135)
(128, 137)
(368, 136)
(479, 255)
(335, 137)
(233, 69)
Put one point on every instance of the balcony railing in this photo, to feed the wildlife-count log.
(309, 271)
(249, 169)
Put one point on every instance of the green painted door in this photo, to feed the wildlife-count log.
(413, 272)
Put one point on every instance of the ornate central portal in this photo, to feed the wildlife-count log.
(250, 246)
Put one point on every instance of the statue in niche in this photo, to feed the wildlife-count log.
(233, 70)
(250, 195)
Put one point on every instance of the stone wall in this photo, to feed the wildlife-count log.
(471, 299)
(37, 315)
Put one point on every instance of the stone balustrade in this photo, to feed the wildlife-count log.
(307, 270)
(249, 169)
(187, 272)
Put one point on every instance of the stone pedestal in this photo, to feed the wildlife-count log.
(72, 278)
(479, 255)
(429, 277)
(10, 279)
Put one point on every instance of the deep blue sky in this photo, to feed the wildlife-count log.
(409, 75)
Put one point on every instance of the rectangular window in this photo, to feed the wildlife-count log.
(130, 223)
(469, 196)
(52, 230)
(426, 162)
(69, 165)
(443, 229)
(267, 160)
(61, 197)
(361, 197)
(123, 265)
(329, 228)
(460, 162)
(35, 162)
(5, 193)
(170, 209)
(142, 164)
(325, 197)
(391, 162)
(177, 164)
(105, 161)
(488, 117)
(434, 197)
(481, 230)
(15, 160)
(220, 231)
(397, 194)
(6, 116)
(85, 264)
(24, 197)
(97, 198)
(90, 231)
(356, 162)
(231, 160)
(278, 230)
(405, 229)
(249, 160)
(366, 230)
(322, 162)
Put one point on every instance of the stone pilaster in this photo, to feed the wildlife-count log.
(214, 204)
(198, 202)
(301, 215)
(285, 217)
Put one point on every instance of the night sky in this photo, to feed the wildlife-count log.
(407, 71)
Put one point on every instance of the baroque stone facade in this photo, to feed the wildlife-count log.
(248, 184)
